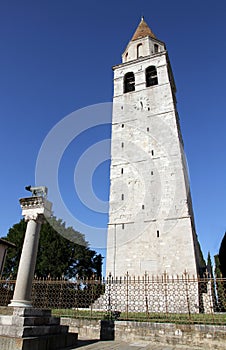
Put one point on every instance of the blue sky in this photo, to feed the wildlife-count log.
(56, 57)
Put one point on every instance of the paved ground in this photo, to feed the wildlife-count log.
(84, 344)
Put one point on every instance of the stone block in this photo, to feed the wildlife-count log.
(31, 329)
(47, 342)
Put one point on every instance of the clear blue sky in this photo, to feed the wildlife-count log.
(56, 57)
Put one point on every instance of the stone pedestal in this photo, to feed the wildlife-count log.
(31, 329)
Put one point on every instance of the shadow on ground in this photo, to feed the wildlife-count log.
(82, 342)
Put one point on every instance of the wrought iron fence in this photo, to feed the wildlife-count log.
(148, 298)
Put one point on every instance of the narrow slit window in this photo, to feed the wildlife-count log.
(151, 76)
(157, 233)
(122, 125)
(121, 170)
(122, 197)
(142, 206)
(152, 173)
(123, 226)
(122, 144)
(129, 82)
(156, 48)
(147, 129)
(152, 152)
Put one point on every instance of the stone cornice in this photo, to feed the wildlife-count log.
(35, 208)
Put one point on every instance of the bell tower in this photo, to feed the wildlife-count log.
(151, 225)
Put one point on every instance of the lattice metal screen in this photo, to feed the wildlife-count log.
(159, 298)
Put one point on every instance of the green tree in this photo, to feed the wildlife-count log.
(222, 256)
(209, 265)
(220, 285)
(62, 252)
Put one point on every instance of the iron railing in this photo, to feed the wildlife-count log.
(148, 298)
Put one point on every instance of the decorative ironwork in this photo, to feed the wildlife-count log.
(148, 298)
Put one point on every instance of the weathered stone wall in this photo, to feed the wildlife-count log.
(151, 227)
(199, 336)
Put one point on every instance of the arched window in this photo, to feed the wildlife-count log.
(139, 50)
(151, 76)
(129, 82)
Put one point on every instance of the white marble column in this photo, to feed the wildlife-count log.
(34, 210)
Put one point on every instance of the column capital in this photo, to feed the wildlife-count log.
(35, 208)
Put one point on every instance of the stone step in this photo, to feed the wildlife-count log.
(29, 321)
(31, 331)
(46, 342)
(39, 321)
(28, 312)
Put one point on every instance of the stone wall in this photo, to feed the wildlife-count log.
(199, 336)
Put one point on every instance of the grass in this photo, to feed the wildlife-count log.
(4, 310)
(216, 319)
(208, 319)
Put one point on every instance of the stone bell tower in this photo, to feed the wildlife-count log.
(151, 226)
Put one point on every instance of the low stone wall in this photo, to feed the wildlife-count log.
(198, 336)
(86, 328)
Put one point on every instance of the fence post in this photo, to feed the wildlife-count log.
(166, 292)
(127, 295)
(146, 294)
(187, 293)
(109, 292)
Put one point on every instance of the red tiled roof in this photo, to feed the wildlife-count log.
(142, 31)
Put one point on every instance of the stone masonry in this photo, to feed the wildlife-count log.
(151, 226)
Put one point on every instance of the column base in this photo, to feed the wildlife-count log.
(20, 303)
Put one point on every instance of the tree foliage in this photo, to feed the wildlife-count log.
(222, 256)
(220, 285)
(62, 252)
(209, 265)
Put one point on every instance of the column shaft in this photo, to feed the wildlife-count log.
(25, 275)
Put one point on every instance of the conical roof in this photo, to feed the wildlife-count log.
(142, 31)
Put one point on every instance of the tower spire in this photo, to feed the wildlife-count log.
(143, 30)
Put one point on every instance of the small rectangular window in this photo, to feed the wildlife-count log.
(123, 226)
(147, 129)
(122, 125)
(122, 144)
(142, 206)
(122, 171)
(156, 48)
(157, 233)
(122, 197)
(152, 173)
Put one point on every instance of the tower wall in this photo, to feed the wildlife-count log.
(151, 224)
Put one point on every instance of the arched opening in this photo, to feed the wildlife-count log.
(139, 50)
(151, 76)
(129, 82)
